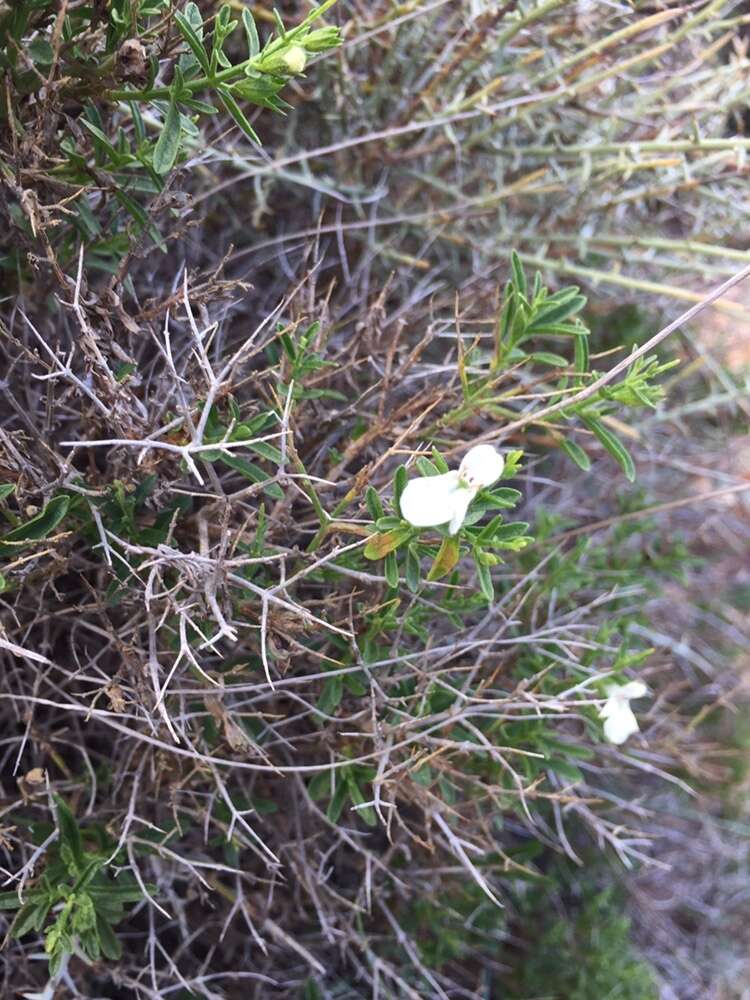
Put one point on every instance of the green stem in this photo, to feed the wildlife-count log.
(228, 75)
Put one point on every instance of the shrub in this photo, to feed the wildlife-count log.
(316, 745)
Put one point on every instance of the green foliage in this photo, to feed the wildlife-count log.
(77, 891)
(342, 787)
(130, 129)
(529, 316)
(585, 955)
(38, 527)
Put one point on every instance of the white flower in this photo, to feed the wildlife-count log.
(432, 500)
(620, 722)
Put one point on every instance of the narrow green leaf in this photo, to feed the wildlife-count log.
(331, 695)
(400, 480)
(320, 786)
(250, 470)
(519, 278)
(485, 580)
(337, 803)
(110, 945)
(266, 450)
(412, 569)
(253, 42)
(357, 797)
(26, 918)
(374, 506)
(582, 354)
(390, 569)
(236, 112)
(70, 835)
(613, 445)
(577, 454)
(556, 312)
(168, 144)
(440, 464)
(548, 358)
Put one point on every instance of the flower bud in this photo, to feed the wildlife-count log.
(295, 58)
(322, 39)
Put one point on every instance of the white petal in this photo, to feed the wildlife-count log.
(430, 500)
(610, 705)
(633, 689)
(482, 466)
(620, 724)
(461, 501)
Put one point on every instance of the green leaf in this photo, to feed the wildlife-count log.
(28, 916)
(355, 793)
(110, 945)
(565, 769)
(485, 580)
(191, 37)
(321, 786)
(390, 569)
(613, 445)
(10, 901)
(519, 278)
(310, 991)
(514, 529)
(194, 16)
(556, 312)
(440, 464)
(560, 329)
(338, 801)
(40, 526)
(548, 358)
(374, 506)
(141, 217)
(330, 696)
(168, 144)
(412, 569)
(426, 467)
(487, 533)
(70, 835)
(388, 523)
(6, 489)
(57, 957)
(577, 454)
(266, 450)
(252, 472)
(253, 42)
(236, 112)
(118, 894)
(400, 480)
(582, 354)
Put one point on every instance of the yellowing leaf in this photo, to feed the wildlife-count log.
(445, 560)
(380, 544)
